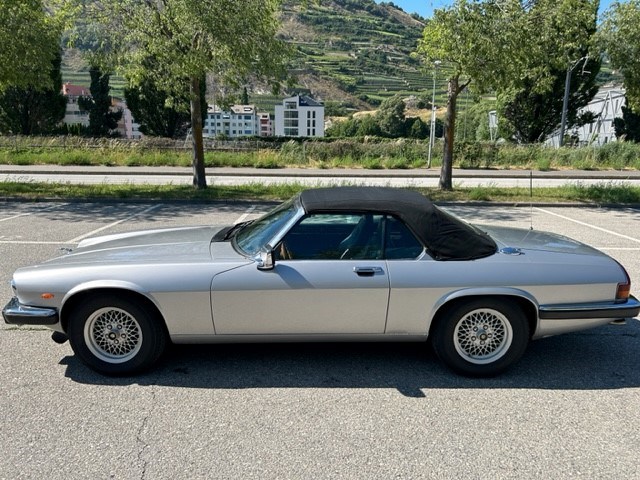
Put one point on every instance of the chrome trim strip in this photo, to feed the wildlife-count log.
(15, 313)
(630, 308)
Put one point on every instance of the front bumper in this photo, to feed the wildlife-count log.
(15, 313)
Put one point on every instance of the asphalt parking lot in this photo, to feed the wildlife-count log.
(568, 409)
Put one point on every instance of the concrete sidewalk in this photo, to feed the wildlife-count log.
(316, 172)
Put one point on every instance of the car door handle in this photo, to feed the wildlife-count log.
(367, 271)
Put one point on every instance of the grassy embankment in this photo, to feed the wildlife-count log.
(336, 154)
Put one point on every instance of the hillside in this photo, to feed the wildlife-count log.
(353, 52)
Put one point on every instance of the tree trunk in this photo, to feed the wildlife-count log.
(199, 177)
(446, 173)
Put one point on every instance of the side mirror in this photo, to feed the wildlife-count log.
(265, 259)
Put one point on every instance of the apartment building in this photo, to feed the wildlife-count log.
(238, 121)
(299, 116)
(266, 124)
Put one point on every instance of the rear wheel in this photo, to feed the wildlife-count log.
(115, 336)
(481, 338)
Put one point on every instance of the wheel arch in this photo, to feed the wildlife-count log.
(78, 296)
(524, 302)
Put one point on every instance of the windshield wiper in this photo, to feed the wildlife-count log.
(236, 228)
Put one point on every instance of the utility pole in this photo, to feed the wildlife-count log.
(565, 100)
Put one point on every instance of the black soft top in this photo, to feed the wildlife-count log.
(445, 236)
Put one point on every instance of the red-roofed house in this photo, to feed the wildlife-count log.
(73, 115)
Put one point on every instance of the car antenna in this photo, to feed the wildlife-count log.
(531, 199)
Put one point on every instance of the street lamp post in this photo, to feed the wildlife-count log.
(432, 129)
(565, 99)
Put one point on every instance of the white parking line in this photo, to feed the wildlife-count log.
(589, 225)
(26, 214)
(28, 242)
(98, 230)
(246, 214)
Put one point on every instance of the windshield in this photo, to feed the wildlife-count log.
(252, 238)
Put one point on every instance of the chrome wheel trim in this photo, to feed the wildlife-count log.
(483, 336)
(113, 335)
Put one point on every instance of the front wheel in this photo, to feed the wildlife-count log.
(481, 338)
(115, 336)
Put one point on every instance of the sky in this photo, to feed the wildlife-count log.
(426, 7)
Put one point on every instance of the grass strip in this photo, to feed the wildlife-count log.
(602, 193)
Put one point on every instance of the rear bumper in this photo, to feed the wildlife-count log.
(15, 313)
(558, 319)
(628, 309)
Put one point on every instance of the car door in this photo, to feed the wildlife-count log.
(329, 279)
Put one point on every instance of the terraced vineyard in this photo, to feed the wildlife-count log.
(353, 52)
(358, 52)
(77, 76)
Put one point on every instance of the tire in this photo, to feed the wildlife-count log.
(115, 336)
(481, 338)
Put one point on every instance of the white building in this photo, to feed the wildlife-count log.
(299, 116)
(606, 105)
(238, 121)
(73, 115)
(127, 126)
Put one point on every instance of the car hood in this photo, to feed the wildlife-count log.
(524, 239)
(172, 245)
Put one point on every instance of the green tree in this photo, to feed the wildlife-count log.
(103, 120)
(244, 99)
(367, 125)
(620, 38)
(189, 38)
(30, 110)
(562, 33)
(158, 112)
(628, 127)
(473, 40)
(391, 118)
(500, 45)
(418, 128)
(534, 115)
(155, 113)
(30, 42)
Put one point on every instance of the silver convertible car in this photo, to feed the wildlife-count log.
(331, 264)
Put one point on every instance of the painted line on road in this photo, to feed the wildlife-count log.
(245, 214)
(98, 230)
(636, 240)
(28, 242)
(29, 213)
